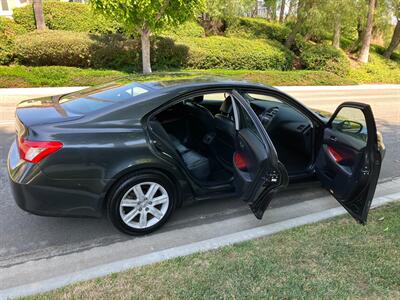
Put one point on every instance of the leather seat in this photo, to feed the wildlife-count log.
(225, 133)
(204, 121)
(197, 164)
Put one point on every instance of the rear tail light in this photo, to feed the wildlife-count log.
(240, 161)
(35, 151)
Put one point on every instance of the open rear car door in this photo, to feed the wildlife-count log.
(257, 171)
(349, 158)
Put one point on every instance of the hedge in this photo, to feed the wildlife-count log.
(325, 58)
(64, 48)
(187, 29)
(78, 49)
(236, 53)
(66, 16)
(258, 28)
(8, 31)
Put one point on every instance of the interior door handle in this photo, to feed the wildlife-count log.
(333, 138)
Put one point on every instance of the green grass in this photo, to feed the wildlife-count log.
(335, 259)
(378, 70)
(21, 76)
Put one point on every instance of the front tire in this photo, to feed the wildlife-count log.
(141, 203)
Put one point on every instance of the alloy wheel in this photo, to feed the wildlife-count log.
(144, 205)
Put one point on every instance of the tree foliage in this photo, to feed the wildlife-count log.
(147, 16)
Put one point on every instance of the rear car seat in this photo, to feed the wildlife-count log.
(198, 165)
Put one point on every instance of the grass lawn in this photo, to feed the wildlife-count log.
(378, 70)
(21, 76)
(335, 259)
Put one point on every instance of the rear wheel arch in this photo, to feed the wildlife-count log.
(125, 175)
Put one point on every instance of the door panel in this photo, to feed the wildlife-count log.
(257, 171)
(348, 163)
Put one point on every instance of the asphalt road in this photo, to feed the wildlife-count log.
(26, 237)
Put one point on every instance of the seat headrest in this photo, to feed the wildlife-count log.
(198, 99)
(226, 107)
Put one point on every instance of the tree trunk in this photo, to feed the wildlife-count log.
(336, 33)
(39, 16)
(302, 9)
(282, 11)
(366, 42)
(273, 12)
(145, 39)
(394, 42)
(292, 6)
(290, 41)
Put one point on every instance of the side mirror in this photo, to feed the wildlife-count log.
(349, 126)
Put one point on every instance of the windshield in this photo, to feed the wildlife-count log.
(94, 99)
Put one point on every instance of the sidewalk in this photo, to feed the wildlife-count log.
(46, 274)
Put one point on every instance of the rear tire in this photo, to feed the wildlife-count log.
(141, 203)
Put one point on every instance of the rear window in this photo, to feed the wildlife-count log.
(81, 103)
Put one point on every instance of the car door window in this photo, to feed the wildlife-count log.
(351, 123)
(246, 122)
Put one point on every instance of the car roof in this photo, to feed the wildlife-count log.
(201, 82)
(160, 92)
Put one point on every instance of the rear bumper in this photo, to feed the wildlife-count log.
(36, 193)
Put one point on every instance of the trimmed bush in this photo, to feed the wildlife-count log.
(258, 28)
(78, 49)
(66, 16)
(187, 29)
(236, 53)
(325, 58)
(8, 31)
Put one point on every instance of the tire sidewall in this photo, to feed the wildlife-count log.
(128, 182)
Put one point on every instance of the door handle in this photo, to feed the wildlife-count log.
(333, 138)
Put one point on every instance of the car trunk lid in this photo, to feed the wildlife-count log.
(42, 111)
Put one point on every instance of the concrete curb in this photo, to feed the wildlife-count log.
(210, 244)
(39, 91)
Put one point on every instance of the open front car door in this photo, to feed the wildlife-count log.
(257, 171)
(349, 158)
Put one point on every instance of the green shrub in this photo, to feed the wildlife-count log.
(78, 49)
(187, 29)
(258, 28)
(8, 31)
(165, 53)
(325, 58)
(236, 53)
(66, 16)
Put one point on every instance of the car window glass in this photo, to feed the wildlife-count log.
(214, 96)
(351, 122)
(88, 102)
(253, 96)
(245, 122)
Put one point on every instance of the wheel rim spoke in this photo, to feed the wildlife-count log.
(152, 191)
(129, 203)
(137, 189)
(159, 200)
(143, 219)
(129, 216)
(155, 212)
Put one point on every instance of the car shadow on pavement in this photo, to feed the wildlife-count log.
(26, 236)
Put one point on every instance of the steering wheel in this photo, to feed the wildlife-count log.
(267, 116)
